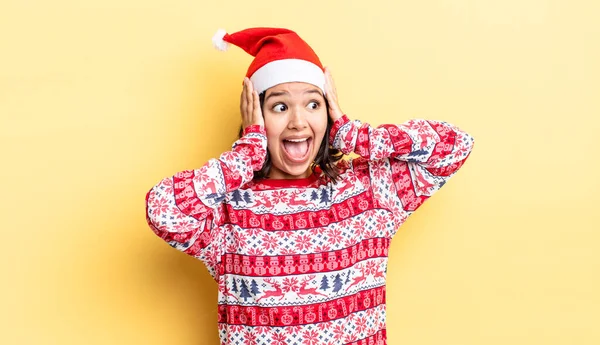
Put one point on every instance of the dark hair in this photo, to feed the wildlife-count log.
(326, 158)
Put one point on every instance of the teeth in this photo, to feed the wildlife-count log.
(297, 140)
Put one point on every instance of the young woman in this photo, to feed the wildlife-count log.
(295, 237)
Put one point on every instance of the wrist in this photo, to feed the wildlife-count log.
(337, 124)
(254, 129)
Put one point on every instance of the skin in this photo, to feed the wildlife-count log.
(291, 111)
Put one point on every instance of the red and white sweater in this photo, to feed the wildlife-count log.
(303, 262)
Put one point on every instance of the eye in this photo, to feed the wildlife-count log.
(313, 105)
(279, 108)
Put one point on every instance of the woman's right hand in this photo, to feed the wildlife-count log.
(250, 106)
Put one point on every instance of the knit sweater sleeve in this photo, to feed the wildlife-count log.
(408, 162)
(186, 209)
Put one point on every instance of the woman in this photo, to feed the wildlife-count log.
(295, 237)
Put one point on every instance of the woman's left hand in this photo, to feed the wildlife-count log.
(331, 94)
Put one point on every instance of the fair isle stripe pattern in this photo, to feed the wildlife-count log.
(306, 264)
(302, 314)
(363, 328)
(284, 265)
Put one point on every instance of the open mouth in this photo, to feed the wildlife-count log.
(297, 150)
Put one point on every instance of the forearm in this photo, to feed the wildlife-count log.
(178, 203)
(432, 144)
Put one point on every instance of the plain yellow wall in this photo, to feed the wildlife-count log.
(101, 99)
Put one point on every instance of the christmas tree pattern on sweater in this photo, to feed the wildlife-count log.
(303, 262)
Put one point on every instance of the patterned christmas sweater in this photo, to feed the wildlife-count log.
(303, 262)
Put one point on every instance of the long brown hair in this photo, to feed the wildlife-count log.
(326, 158)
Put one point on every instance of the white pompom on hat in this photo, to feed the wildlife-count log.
(280, 56)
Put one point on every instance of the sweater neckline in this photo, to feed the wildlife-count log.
(291, 183)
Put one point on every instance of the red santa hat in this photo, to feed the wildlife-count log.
(280, 56)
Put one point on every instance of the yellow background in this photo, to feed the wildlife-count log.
(101, 99)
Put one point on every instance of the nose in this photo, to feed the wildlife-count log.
(297, 119)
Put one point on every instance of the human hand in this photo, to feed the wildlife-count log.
(250, 106)
(331, 94)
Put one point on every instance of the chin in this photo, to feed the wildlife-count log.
(298, 172)
(289, 171)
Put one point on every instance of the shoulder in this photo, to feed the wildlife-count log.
(354, 168)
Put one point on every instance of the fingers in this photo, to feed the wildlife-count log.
(257, 113)
(331, 94)
(330, 85)
(249, 91)
(243, 104)
(257, 116)
(250, 105)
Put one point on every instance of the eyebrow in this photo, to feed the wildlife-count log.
(282, 93)
(275, 94)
